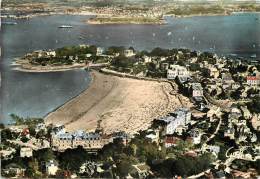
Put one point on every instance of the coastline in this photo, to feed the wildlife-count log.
(24, 66)
(123, 21)
(119, 103)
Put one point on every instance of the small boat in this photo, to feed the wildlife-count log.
(9, 23)
(65, 26)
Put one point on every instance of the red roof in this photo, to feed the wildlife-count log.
(171, 140)
(252, 78)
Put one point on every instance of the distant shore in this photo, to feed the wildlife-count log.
(119, 103)
(125, 20)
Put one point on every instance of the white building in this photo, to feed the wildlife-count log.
(129, 53)
(26, 152)
(64, 140)
(51, 53)
(51, 167)
(99, 51)
(180, 117)
(197, 90)
(147, 59)
(177, 70)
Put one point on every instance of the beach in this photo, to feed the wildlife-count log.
(119, 103)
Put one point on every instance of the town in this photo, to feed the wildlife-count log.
(217, 137)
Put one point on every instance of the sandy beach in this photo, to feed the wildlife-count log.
(119, 103)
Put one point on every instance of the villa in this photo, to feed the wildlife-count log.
(177, 70)
(253, 80)
(179, 118)
(129, 53)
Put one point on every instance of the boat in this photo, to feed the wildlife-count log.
(65, 26)
(9, 23)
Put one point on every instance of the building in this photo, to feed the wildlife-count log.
(197, 90)
(51, 53)
(147, 59)
(177, 70)
(253, 80)
(180, 117)
(171, 141)
(51, 167)
(129, 53)
(26, 152)
(227, 80)
(99, 51)
(140, 171)
(213, 72)
(13, 169)
(64, 140)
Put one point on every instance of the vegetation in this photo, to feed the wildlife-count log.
(31, 122)
(254, 105)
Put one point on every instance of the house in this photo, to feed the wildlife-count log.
(171, 141)
(227, 80)
(140, 170)
(129, 53)
(181, 117)
(88, 167)
(51, 167)
(195, 135)
(214, 149)
(26, 152)
(213, 72)
(230, 132)
(164, 66)
(7, 153)
(253, 80)
(177, 70)
(14, 170)
(51, 53)
(100, 51)
(197, 90)
(246, 113)
(154, 136)
(147, 59)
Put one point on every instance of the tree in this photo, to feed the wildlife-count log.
(254, 105)
(72, 159)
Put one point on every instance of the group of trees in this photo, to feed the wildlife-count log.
(183, 165)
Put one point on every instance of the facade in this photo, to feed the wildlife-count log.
(253, 80)
(64, 140)
(197, 90)
(26, 152)
(177, 70)
(180, 117)
(99, 51)
(129, 53)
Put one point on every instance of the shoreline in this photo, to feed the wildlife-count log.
(118, 103)
(25, 66)
(29, 16)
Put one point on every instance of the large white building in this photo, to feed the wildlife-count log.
(177, 70)
(181, 117)
(64, 140)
